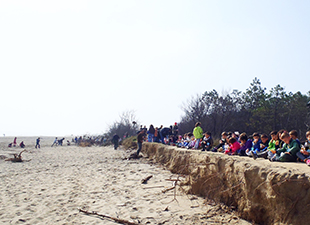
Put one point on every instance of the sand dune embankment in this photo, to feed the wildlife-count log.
(260, 191)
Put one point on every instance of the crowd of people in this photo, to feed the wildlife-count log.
(281, 146)
(22, 144)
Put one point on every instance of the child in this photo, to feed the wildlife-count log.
(280, 132)
(255, 146)
(207, 142)
(222, 142)
(192, 142)
(274, 144)
(22, 145)
(188, 140)
(289, 151)
(246, 144)
(294, 135)
(233, 147)
(198, 133)
(263, 152)
(304, 154)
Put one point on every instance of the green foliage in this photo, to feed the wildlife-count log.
(254, 110)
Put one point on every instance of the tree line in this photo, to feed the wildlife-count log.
(254, 110)
(127, 124)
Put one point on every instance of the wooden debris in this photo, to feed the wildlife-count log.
(17, 157)
(102, 216)
(160, 186)
(145, 180)
(168, 189)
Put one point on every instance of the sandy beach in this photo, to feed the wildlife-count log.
(58, 181)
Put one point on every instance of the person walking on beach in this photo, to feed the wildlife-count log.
(55, 142)
(38, 143)
(140, 141)
(60, 141)
(115, 141)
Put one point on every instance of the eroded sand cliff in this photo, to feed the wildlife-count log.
(260, 191)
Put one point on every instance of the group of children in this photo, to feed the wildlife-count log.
(281, 146)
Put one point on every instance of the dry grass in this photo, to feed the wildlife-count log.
(130, 143)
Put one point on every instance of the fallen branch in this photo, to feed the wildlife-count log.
(145, 180)
(120, 221)
(161, 186)
(168, 189)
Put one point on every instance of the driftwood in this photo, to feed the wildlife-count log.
(17, 157)
(145, 180)
(161, 186)
(102, 216)
(174, 185)
(132, 156)
(168, 189)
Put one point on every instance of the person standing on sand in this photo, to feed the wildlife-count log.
(38, 143)
(55, 142)
(140, 141)
(15, 142)
(115, 141)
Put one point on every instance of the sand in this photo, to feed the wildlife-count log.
(58, 181)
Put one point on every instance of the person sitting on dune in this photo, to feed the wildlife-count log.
(289, 151)
(246, 144)
(222, 142)
(274, 144)
(233, 148)
(256, 145)
(207, 142)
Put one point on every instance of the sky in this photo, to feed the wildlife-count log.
(73, 66)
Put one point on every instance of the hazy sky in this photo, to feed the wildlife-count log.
(72, 66)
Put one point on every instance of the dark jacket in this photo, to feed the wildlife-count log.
(140, 137)
(165, 131)
(115, 138)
